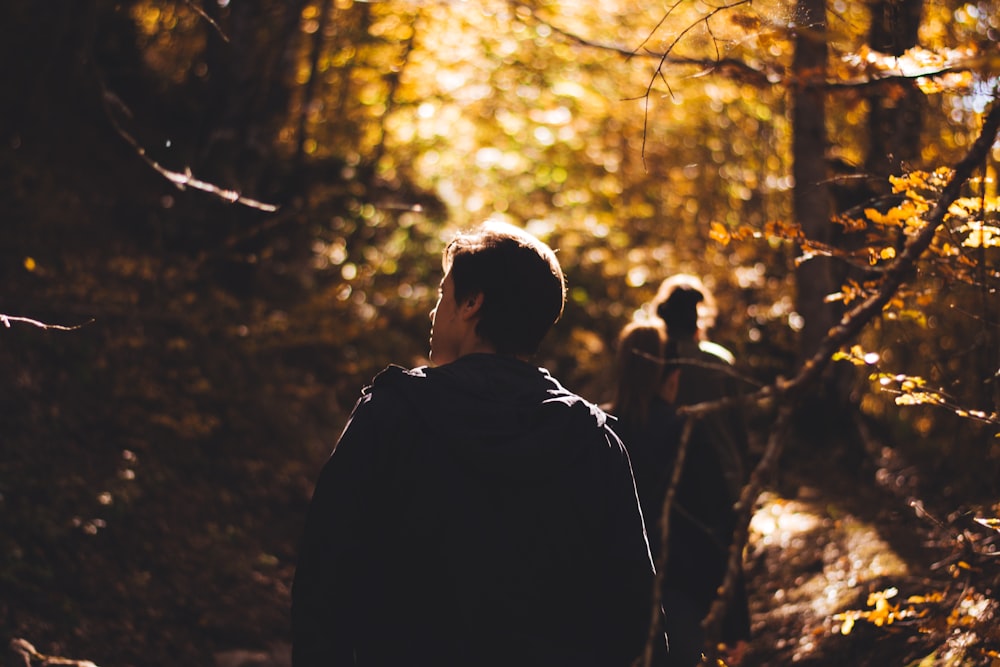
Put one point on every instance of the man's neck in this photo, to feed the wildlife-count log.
(476, 345)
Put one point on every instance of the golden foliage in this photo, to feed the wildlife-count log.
(883, 612)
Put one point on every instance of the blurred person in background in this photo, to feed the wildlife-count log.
(689, 311)
(651, 372)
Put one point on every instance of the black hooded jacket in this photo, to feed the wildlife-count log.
(476, 513)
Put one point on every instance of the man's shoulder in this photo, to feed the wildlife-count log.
(386, 388)
(395, 377)
(392, 375)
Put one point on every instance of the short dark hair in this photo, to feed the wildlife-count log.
(522, 284)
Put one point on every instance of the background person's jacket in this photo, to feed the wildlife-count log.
(473, 514)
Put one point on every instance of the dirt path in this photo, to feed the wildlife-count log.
(854, 574)
(808, 562)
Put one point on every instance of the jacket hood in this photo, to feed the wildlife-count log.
(496, 413)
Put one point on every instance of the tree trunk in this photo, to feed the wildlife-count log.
(895, 115)
(824, 416)
(811, 198)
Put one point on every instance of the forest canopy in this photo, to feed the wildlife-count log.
(639, 139)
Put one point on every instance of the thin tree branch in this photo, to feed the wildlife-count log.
(181, 180)
(7, 319)
(904, 264)
(656, 612)
(744, 509)
(764, 76)
(721, 368)
(29, 653)
(894, 275)
(850, 325)
(658, 25)
(197, 9)
(663, 58)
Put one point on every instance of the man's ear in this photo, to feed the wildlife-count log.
(470, 306)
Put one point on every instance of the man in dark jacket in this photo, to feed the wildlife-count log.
(476, 513)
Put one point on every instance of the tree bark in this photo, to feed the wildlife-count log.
(895, 117)
(811, 198)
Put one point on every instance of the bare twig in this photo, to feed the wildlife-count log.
(720, 368)
(197, 9)
(7, 319)
(181, 180)
(663, 58)
(29, 653)
(666, 54)
(655, 625)
(766, 75)
(744, 508)
(658, 25)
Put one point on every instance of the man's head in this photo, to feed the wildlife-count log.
(503, 283)
(685, 305)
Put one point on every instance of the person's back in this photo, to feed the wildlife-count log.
(687, 309)
(648, 381)
(647, 386)
(473, 513)
(715, 463)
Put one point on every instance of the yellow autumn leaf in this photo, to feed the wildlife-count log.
(881, 596)
(849, 618)
(894, 217)
(948, 82)
(910, 181)
(947, 250)
(930, 598)
(918, 398)
(719, 233)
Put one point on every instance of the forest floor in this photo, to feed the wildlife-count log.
(209, 460)
(856, 571)
(862, 565)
